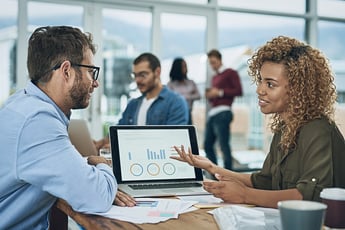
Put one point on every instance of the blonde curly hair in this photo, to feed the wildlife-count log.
(311, 88)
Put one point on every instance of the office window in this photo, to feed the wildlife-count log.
(291, 6)
(238, 37)
(188, 1)
(42, 14)
(8, 41)
(331, 8)
(331, 42)
(184, 36)
(126, 34)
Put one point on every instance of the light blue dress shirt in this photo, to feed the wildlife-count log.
(39, 164)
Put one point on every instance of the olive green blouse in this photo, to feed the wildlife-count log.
(317, 162)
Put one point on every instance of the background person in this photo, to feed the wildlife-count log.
(180, 83)
(296, 85)
(157, 105)
(38, 162)
(225, 86)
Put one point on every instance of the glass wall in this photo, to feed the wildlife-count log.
(238, 37)
(331, 8)
(331, 42)
(291, 6)
(123, 39)
(8, 48)
(125, 28)
(42, 14)
(183, 36)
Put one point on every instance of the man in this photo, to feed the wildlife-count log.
(158, 105)
(38, 162)
(225, 87)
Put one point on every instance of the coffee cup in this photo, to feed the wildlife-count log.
(301, 214)
(334, 198)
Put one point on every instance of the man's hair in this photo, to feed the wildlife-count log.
(49, 46)
(154, 62)
(214, 53)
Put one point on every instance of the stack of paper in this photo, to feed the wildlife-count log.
(150, 210)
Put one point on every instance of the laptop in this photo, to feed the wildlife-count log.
(141, 163)
(80, 137)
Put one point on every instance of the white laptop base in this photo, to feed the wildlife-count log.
(183, 191)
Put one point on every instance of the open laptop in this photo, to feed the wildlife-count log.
(80, 137)
(142, 165)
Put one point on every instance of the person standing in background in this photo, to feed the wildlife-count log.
(157, 105)
(225, 86)
(180, 83)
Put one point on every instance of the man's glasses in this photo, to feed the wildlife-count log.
(94, 69)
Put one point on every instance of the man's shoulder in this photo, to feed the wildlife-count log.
(134, 101)
(170, 95)
(230, 71)
(27, 105)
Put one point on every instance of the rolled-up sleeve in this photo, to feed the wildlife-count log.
(308, 167)
(316, 165)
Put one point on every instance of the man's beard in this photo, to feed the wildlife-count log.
(79, 94)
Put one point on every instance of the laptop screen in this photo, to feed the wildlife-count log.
(141, 153)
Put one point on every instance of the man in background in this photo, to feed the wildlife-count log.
(157, 105)
(225, 86)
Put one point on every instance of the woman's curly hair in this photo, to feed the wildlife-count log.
(311, 88)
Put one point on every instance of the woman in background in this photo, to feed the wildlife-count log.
(296, 85)
(180, 83)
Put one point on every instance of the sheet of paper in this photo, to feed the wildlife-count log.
(205, 201)
(208, 201)
(150, 210)
(239, 217)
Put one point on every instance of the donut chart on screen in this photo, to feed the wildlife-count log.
(136, 169)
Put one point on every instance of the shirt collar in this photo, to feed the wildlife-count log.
(33, 90)
(221, 69)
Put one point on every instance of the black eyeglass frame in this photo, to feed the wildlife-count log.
(95, 72)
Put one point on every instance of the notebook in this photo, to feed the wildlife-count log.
(80, 137)
(141, 162)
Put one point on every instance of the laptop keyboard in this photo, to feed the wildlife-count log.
(160, 186)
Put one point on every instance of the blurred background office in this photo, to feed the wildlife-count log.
(169, 28)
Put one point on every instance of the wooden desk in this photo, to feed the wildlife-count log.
(197, 220)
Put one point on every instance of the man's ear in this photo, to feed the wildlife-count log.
(158, 71)
(66, 69)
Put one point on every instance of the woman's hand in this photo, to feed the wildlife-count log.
(123, 199)
(230, 190)
(191, 159)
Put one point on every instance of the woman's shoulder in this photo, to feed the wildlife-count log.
(319, 125)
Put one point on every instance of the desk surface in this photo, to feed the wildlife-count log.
(197, 220)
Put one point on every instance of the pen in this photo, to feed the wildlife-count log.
(146, 203)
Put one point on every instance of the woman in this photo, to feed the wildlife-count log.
(295, 85)
(180, 83)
